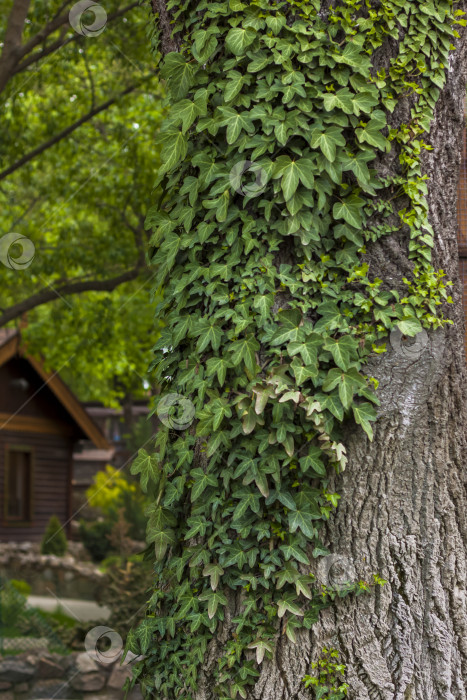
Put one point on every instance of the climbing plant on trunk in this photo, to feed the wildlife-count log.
(309, 170)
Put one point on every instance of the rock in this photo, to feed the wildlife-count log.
(135, 694)
(88, 681)
(4, 685)
(118, 677)
(14, 670)
(49, 669)
(21, 688)
(85, 663)
(51, 689)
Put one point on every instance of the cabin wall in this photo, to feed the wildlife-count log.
(51, 487)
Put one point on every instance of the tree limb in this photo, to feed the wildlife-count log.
(48, 294)
(12, 46)
(65, 132)
(19, 59)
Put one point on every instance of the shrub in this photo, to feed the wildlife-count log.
(54, 540)
(95, 538)
(113, 490)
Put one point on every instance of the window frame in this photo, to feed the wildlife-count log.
(9, 521)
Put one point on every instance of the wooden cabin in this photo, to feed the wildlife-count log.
(40, 422)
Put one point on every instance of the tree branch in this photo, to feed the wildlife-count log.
(65, 132)
(12, 46)
(48, 294)
(19, 60)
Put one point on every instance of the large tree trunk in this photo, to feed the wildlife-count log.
(403, 505)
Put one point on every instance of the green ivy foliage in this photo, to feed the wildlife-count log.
(270, 197)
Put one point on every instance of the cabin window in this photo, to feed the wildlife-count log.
(18, 486)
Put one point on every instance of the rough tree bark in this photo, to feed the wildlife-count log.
(403, 505)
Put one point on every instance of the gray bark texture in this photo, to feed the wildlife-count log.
(403, 508)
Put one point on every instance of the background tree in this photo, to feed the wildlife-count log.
(282, 288)
(76, 167)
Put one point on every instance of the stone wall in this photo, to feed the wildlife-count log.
(65, 577)
(77, 676)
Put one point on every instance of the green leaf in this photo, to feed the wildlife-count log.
(248, 499)
(342, 99)
(363, 414)
(235, 123)
(219, 366)
(313, 459)
(299, 519)
(214, 598)
(409, 326)
(174, 149)
(341, 349)
(201, 482)
(209, 334)
(178, 73)
(327, 141)
(239, 39)
(215, 571)
(147, 466)
(293, 551)
(244, 349)
(350, 209)
(144, 633)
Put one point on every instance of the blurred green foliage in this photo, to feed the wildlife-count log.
(82, 201)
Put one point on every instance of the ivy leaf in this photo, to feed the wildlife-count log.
(290, 321)
(300, 519)
(219, 366)
(287, 604)
(342, 99)
(350, 209)
(409, 326)
(313, 460)
(174, 148)
(371, 133)
(185, 112)
(341, 349)
(215, 571)
(198, 526)
(248, 499)
(244, 349)
(263, 304)
(363, 414)
(209, 334)
(238, 39)
(308, 349)
(147, 466)
(201, 482)
(331, 317)
(293, 551)
(327, 141)
(214, 598)
(261, 648)
(178, 73)
(364, 102)
(234, 85)
(145, 631)
(292, 172)
(235, 122)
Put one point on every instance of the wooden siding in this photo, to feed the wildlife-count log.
(51, 482)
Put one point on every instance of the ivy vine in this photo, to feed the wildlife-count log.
(270, 195)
